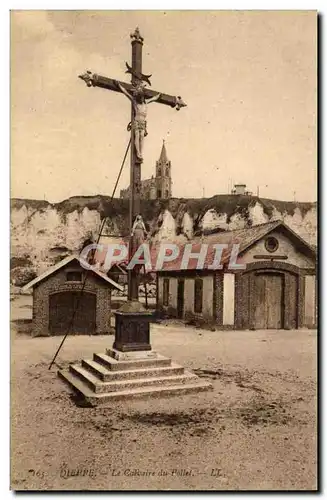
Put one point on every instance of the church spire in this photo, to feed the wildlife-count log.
(163, 155)
(163, 175)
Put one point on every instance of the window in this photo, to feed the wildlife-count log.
(159, 172)
(159, 193)
(167, 193)
(271, 244)
(198, 295)
(74, 276)
(167, 172)
(165, 293)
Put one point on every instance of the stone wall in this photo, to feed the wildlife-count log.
(228, 298)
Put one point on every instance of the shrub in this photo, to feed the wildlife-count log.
(23, 261)
(20, 276)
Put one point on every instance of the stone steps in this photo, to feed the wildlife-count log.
(99, 386)
(114, 364)
(95, 399)
(126, 375)
(107, 376)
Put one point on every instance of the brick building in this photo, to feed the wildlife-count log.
(56, 294)
(158, 187)
(276, 290)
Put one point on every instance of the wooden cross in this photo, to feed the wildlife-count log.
(138, 80)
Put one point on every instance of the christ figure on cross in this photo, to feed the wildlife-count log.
(140, 108)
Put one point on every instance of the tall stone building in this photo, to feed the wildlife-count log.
(158, 187)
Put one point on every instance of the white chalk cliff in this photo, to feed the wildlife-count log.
(44, 232)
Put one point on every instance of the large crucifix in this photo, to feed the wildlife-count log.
(132, 322)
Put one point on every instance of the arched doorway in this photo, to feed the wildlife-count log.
(268, 297)
(61, 310)
(269, 289)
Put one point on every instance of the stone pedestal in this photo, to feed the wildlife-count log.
(132, 328)
(131, 355)
(130, 369)
(118, 375)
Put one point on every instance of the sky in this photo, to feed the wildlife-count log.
(248, 78)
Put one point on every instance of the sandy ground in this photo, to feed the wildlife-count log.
(255, 431)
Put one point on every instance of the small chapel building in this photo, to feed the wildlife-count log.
(277, 289)
(60, 308)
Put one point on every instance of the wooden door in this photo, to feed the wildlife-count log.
(268, 298)
(70, 312)
(180, 299)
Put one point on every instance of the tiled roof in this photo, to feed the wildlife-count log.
(243, 237)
